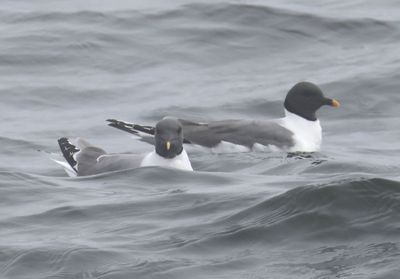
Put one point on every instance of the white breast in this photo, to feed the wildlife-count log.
(181, 161)
(307, 134)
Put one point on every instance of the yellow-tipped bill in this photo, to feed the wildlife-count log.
(168, 145)
(335, 103)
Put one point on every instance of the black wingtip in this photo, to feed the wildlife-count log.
(134, 128)
(130, 127)
(68, 150)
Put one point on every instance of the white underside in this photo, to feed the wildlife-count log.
(181, 161)
(307, 135)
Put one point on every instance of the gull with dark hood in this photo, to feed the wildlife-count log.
(299, 130)
(82, 158)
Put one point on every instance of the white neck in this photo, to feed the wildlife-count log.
(181, 161)
(307, 134)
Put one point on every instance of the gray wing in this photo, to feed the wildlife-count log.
(93, 160)
(243, 132)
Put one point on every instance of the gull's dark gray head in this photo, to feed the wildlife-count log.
(305, 98)
(168, 138)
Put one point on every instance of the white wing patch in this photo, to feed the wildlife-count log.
(68, 169)
(228, 147)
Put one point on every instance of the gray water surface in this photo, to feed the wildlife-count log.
(66, 66)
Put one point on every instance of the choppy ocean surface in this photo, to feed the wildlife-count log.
(67, 65)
